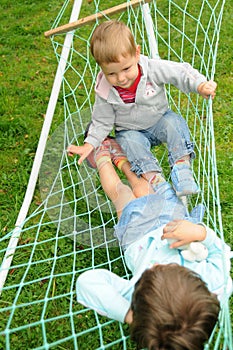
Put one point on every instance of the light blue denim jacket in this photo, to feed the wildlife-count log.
(110, 111)
(110, 295)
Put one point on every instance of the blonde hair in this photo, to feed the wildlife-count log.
(110, 40)
(172, 309)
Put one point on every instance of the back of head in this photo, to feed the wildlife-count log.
(110, 40)
(172, 309)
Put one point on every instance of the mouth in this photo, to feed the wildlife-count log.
(124, 85)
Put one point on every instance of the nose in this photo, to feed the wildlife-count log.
(121, 77)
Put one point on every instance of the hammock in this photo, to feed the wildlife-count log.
(72, 230)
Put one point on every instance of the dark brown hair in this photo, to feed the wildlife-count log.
(172, 309)
(110, 40)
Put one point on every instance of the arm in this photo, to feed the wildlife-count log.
(102, 291)
(181, 75)
(187, 79)
(103, 120)
(216, 268)
(100, 127)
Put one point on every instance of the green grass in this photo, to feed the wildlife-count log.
(27, 70)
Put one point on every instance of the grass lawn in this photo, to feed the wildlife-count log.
(27, 71)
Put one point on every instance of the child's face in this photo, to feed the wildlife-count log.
(124, 72)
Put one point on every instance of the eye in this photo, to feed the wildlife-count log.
(127, 68)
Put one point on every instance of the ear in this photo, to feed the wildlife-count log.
(129, 316)
(138, 51)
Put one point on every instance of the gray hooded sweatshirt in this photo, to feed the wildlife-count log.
(150, 104)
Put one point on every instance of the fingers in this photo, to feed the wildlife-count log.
(208, 89)
(212, 84)
(171, 226)
(169, 230)
(182, 232)
(211, 89)
(71, 150)
(176, 231)
(82, 151)
(82, 158)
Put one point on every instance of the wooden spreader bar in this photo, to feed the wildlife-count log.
(92, 18)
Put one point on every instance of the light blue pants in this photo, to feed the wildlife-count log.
(171, 129)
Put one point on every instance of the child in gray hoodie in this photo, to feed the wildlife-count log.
(131, 98)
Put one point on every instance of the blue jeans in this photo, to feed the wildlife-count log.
(171, 129)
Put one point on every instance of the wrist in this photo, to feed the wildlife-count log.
(89, 145)
(200, 86)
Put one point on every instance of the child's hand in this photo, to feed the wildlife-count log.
(207, 89)
(183, 232)
(82, 151)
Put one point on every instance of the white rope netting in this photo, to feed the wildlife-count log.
(72, 230)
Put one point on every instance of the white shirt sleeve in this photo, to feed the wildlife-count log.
(102, 290)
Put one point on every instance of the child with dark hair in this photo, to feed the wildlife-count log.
(170, 303)
(130, 98)
(177, 310)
